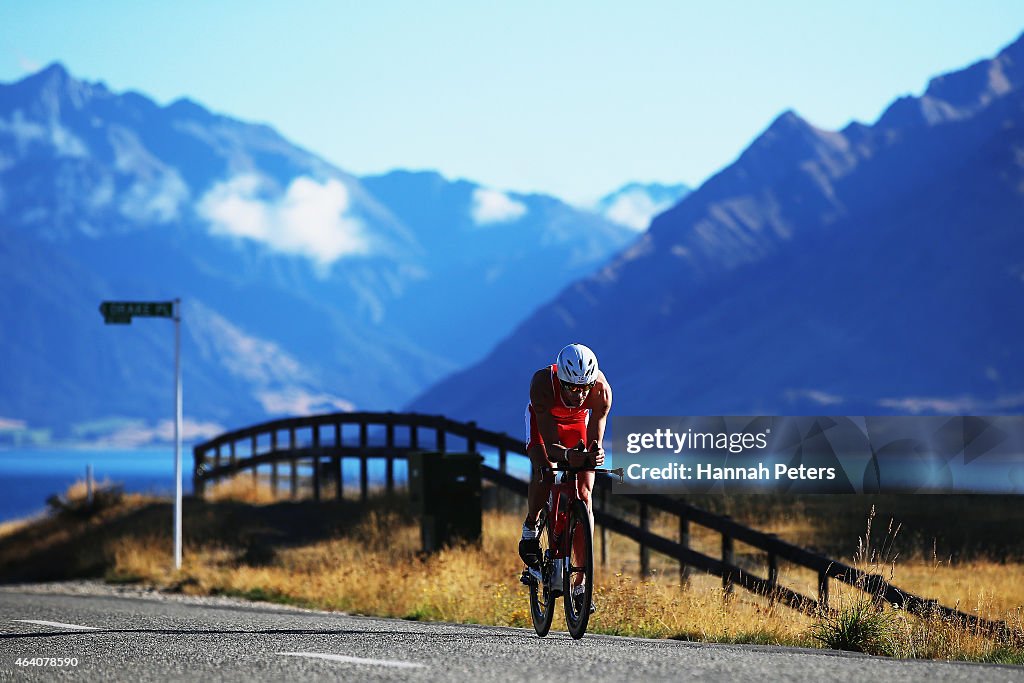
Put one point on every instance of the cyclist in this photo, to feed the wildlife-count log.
(569, 403)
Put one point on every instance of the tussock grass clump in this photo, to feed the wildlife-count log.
(859, 627)
(861, 623)
(76, 501)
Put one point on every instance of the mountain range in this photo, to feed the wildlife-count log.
(877, 269)
(304, 288)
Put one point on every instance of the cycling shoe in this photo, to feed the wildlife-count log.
(529, 551)
(577, 595)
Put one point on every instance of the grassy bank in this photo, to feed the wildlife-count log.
(364, 559)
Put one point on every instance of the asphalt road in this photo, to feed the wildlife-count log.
(129, 634)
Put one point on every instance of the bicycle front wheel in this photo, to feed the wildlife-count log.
(542, 602)
(581, 568)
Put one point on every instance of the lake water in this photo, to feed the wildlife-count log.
(29, 476)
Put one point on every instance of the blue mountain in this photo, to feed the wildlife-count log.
(304, 289)
(874, 270)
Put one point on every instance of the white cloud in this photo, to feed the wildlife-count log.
(493, 206)
(11, 424)
(822, 398)
(139, 433)
(311, 218)
(298, 401)
(957, 405)
(28, 65)
(915, 405)
(634, 209)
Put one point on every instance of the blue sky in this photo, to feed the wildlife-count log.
(569, 98)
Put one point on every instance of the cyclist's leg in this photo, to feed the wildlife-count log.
(541, 476)
(541, 479)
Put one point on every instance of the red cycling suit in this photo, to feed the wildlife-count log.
(571, 422)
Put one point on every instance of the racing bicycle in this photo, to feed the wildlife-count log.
(567, 552)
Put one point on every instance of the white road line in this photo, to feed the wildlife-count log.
(356, 660)
(57, 624)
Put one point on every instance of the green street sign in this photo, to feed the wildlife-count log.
(122, 312)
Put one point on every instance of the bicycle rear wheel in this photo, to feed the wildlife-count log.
(581, 554)
(542, 602)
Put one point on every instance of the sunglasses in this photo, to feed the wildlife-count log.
(575, 388)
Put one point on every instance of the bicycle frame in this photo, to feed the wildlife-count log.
(558, 516)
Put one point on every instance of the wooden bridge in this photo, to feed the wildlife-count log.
(322, 442)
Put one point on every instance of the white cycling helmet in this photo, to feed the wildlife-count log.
(577, 364)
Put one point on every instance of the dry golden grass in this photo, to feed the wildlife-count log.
(16, 525)
(376, 570)
(932, 636)
(235, 544)
(80, 489)
(243, 489)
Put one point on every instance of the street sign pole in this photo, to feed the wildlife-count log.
(177, 433)
(121, 313)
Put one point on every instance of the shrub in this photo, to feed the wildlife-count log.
(859, 627)
(76, 504)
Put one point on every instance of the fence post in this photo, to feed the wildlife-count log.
(233, 458)
(727, 560)
(684, 540)
(295, 464)
(216, 457)
(471, 438)
(255, 468)
(773, 577)
(645, 552)
(273, 464)
(316, 463)
(364, 484)
(339, 483)
(822, 590)
(389, 462)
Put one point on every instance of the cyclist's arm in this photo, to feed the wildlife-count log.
(542, 398)
(600, 403)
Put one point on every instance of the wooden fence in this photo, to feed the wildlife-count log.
(321, 441)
